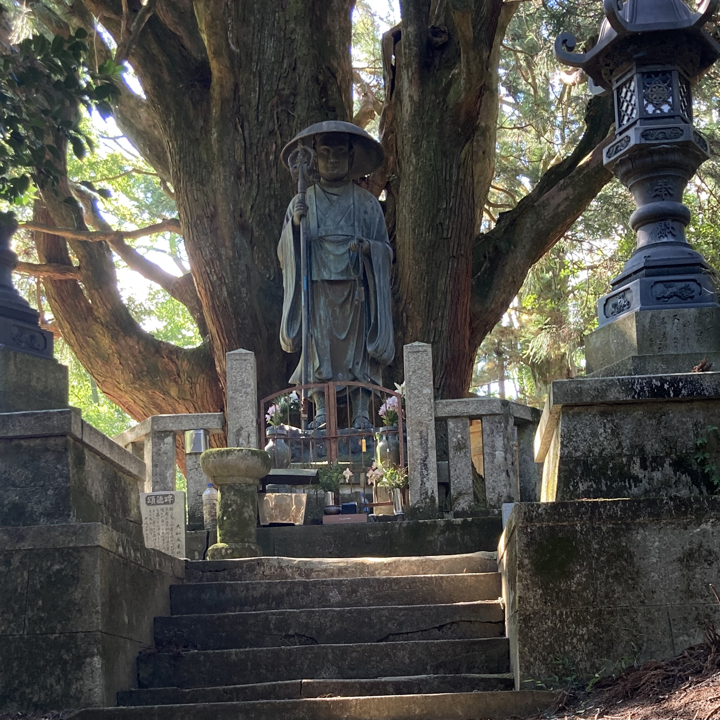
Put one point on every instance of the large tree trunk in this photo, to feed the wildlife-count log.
(439, 126)
(227, 84)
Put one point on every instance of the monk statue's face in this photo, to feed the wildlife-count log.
(334, 156)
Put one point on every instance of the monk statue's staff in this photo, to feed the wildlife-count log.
(301, 162)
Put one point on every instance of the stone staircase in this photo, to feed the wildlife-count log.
(300, 639)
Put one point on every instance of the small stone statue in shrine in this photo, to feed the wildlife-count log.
(350, 333)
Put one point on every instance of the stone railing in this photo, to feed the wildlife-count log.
(508, 429)
(154, 440)
(508, 465)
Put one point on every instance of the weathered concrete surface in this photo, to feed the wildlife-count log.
(420, 412)
(460, 465)
(477, 407)
(31, 383)
(629, 437)
(298, 689)
(236, 472)
(598, 581)
(500, 461)
(76, 606)
(407, 538)
(375, 660)
(56, 469)
(450, 706)
(329, 626)
(242, 399)
(284, 568)
(219, 597)
(654, 342)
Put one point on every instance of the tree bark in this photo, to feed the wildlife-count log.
(227, 83)
(453, 284)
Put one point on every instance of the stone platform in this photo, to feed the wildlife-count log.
(77, 604)
(602, 582)
(405, 538)
(636, 436)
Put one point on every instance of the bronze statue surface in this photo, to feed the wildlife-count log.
(349, 322)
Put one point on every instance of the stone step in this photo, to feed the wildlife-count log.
(382, 539)
(287, 568)
(224, 597)
(496, 705)
(331, 626)
(298, 689)
(354, 661)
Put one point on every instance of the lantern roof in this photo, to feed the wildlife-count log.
(635, 18)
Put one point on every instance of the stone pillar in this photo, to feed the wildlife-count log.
(242, 400)
(160, 460)
(460, 462)
(499, 464)
(196, 442)
(420, 421)
(236, 472)
(529, 472)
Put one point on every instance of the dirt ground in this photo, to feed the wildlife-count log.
(686, 687)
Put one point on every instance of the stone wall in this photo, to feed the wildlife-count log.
(598, 582)
(78, 588)
(77, 604)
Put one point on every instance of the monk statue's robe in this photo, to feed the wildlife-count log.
(351, 335)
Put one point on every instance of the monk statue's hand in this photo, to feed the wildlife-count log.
(299, 212)
(360, 245)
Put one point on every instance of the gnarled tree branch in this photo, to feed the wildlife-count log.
(503, 256)
(167, 225)
(53, 271)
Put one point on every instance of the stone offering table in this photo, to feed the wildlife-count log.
(236, 472)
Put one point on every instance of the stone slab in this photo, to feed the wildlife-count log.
(396, 539)
(285, 568)
(262, 595)
(163, 520)
(213, 422)
(640, 449)
(599, 581)
(478, 407)
(84, 613)
(329, 626)
(658, 364)
(663, 333)
(497, 705)
(348, 661)
(298, 689)
(620, 390)
(59, 479)
(31, 383)
(46, 423)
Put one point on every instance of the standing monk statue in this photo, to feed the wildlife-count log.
(349, 334)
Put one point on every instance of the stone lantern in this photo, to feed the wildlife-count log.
(649, 54)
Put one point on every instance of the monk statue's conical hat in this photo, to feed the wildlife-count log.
(367, 152)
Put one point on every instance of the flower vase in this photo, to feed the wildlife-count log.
(278, 449)
(387, 449)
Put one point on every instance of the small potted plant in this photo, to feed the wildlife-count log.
(387, 450)
(395, 479)
(329, 481)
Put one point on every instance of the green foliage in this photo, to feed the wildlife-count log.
(704, 444)
(394, 478)
(96, 408)
(329, 477)
(41, 86)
